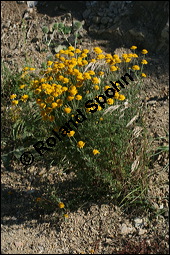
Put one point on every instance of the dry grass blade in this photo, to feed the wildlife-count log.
(132, 120)
(135, 164)
(111, 109)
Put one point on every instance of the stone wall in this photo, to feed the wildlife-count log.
(145, 23)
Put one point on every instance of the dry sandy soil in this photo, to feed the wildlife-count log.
(100, 227)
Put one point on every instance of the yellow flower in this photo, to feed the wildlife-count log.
(95, 152)
(80, 144)
(13, 96)
(65, 80)
(26, 68)
(22, 86)
(71, 133)
(15, 102)
(116, 96)
(144, 51)
(91, 72)
(24, 98)
(59, 102)
(78, 97)
(83, 55)
(57, 55)
(143, 74)
(144, 62)
(67, 110)
(107, 56)
(87, 76)
(51, 118)
(70, 54)
(61, 51)
(97, 50)
(54, 105)
(85, 51)
(135, 56)
(99, 108)
(61, 205)
(95, 80)
(71, 48)
(101, 73)
(96, 87)
(70, 98)
(110, 101)
(38, 101)
(32, 68)
(127, 60)
(100, 56)
(101, 118)
(42, 105)
(65, 215)
(77, 51)
(135, 67)
(133, 47)
(107, 87)
(113, 68)
(93, 60)
(121, 97)
(38, 199)
(84, 62)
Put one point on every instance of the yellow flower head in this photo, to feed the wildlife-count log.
(101, 73)
(67, 110)
(22, 86)
(65, 215)
(78, 97)
(95, 80)
(54, 105)
(13, 96)
(96, 87)
(24, 98)
(85, 51)
(101, 118)
(97, 50)
(135, 67)
(143, 74)
(110, 101)
(80, 144)
(95, 152)
(77, 51)
(61, 205)
(70, 98)
(133, 47)
(113, 68)
(144, 51)
(15, 102)
(71, 48)
(38, 199)
(121, 97)
(71, 133)
(144, 62)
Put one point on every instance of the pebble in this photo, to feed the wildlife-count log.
(138, 222)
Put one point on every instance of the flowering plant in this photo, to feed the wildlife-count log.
(95, 149)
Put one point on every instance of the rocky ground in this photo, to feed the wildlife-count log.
(100, 228)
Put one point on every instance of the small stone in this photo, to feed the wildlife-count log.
(104, 20)
(125, 230)
(138, 222)
(142, 231)
(86, 13)
(18, 244)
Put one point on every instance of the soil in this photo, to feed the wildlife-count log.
(94, 227)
